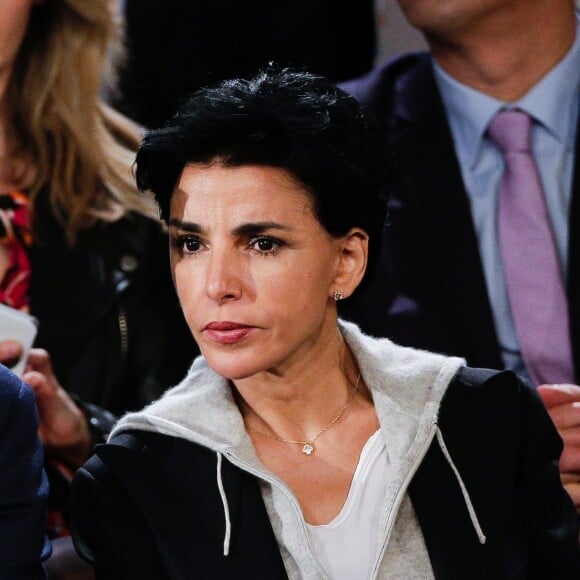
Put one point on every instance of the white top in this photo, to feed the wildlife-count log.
(347, 546)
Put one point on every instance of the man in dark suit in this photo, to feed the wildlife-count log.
(23, 484)
(442, 283)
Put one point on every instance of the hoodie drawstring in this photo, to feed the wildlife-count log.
(466, 498)
(224, 499)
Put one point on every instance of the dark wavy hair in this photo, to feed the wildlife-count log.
(286, 119)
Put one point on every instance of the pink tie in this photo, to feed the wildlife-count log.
(530, 262)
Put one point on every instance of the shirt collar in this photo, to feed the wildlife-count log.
(553, 102)
(469, 113)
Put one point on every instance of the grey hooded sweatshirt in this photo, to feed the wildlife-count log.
(407, 387)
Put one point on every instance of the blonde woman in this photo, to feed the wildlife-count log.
(76, 238)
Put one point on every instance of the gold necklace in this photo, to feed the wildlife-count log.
(308, 445)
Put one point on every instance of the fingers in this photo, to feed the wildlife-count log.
(570, 460)
(38, 373)
(10, 352)
(63, 428)
(36, 380)
(567, 420)
(39, 360)
(565, 416)
(571, 436)
(554, 395)
(42, 386)
(565, 413)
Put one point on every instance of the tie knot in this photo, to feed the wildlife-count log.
(510, 131)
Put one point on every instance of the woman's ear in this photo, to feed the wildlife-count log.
(354, 251)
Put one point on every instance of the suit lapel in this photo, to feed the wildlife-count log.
(440, 231)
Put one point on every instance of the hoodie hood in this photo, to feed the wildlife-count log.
(406, 384)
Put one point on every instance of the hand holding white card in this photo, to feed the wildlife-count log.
(21, 327)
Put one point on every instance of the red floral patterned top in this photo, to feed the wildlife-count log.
(16, 237)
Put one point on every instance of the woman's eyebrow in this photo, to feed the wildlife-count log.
(247, 229)
(254, 228)
(190, 227)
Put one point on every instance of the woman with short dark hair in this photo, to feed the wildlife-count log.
(296, 446)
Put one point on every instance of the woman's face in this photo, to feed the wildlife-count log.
(14, 16)
(253, 267)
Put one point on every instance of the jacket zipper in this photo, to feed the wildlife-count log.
(249, 469)
(123, 332)
(402, 487)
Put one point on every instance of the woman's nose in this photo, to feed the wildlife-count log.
(224, 277)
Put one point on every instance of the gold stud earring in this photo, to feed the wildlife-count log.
(338, 295)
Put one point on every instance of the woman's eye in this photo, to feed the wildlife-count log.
(188, 244)
(191, 245)
(265, 245)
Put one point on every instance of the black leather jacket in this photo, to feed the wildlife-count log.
(110, 319)
(108, 312)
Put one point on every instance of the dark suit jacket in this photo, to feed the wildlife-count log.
(429, 289)
(23, 485)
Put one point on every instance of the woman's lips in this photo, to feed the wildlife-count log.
(226, 332)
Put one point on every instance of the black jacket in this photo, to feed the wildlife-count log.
(108, 312)
(109, 317)
(147, 506)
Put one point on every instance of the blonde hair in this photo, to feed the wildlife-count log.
(81, 149)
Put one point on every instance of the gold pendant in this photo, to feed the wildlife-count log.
(307, 449)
